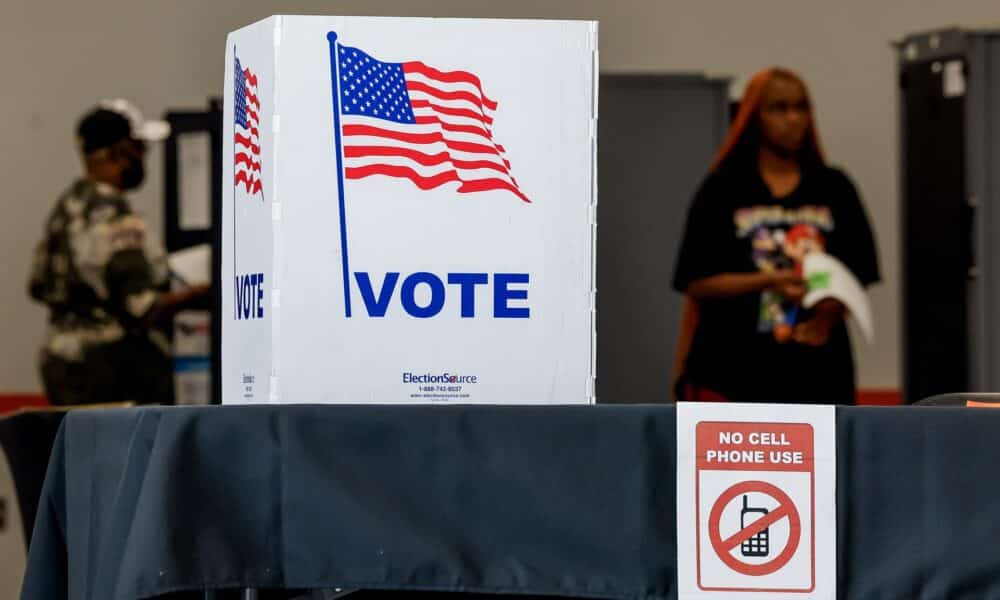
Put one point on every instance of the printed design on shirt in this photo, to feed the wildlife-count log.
(748, 220)
(780, 238)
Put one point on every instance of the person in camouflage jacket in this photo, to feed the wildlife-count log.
(104, 288)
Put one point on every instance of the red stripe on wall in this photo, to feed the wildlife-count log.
(12, 402)
(879, 397)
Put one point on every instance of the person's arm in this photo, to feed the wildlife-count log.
(855, 245)
(38, 281)
(41, 279)
(133, 292)
(708, 261)
(688, 324)
(133, 284)
(729, 285)
(168, 304)
(856, 248)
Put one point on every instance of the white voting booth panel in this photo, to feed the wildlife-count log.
(409, 211)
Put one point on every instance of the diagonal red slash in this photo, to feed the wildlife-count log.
(756, 527)
(786, 508)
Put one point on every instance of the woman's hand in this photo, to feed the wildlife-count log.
(816, 331)
(789, 284)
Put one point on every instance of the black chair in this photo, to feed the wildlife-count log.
(963, 399)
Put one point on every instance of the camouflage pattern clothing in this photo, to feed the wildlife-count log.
(101, 286)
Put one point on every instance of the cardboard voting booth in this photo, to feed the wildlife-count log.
(409, 211)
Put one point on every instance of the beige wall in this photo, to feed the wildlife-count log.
(59, 57)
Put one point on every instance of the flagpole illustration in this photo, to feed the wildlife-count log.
(332, 38)
(232, 122)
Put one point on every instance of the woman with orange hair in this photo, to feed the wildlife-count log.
(768, 200)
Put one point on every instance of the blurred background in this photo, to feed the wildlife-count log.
(60, 58)
(906, 97)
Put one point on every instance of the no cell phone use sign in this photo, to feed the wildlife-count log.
(756, 513)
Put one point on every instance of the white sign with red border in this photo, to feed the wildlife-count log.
(756, 501)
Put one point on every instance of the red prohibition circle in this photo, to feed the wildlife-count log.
(785, 506)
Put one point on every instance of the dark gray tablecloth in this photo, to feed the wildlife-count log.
(570, 501)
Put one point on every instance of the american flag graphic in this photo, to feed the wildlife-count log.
(412, 121)
(246, 149)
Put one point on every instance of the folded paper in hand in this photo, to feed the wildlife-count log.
(827, 277)
(193, 265)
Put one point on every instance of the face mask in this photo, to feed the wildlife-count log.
(134, 174)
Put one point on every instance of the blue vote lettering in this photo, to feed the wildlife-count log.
(377, 303)
(249, 298)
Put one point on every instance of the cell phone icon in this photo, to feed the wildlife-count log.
(758, 544)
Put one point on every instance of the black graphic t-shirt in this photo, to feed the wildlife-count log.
(742, 347)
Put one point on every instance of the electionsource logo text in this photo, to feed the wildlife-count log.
(443, 378)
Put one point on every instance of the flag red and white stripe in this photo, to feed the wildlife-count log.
(247, 134)
(448, 140)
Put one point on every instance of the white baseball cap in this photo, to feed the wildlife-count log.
(142, 129)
